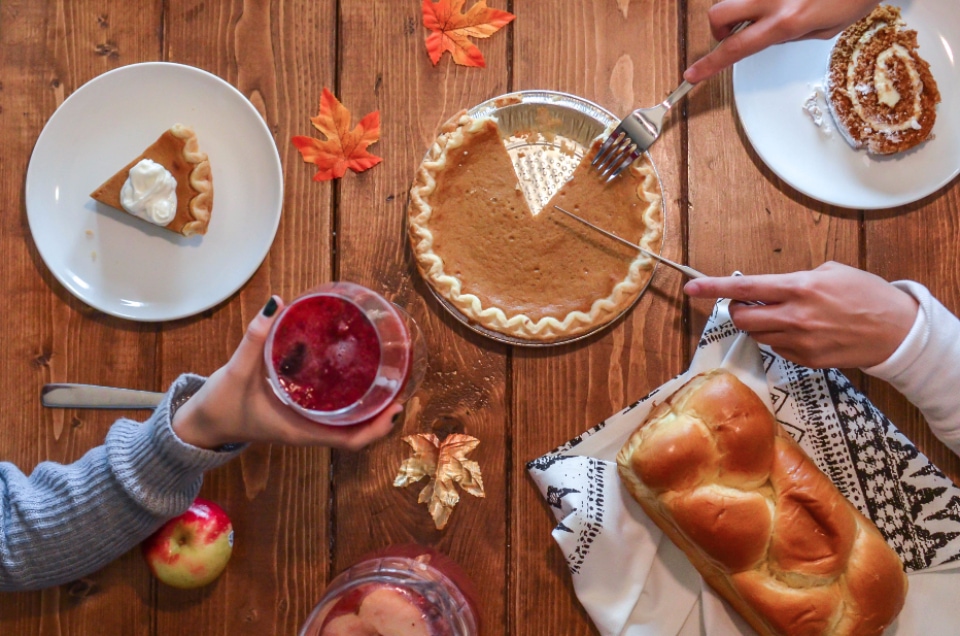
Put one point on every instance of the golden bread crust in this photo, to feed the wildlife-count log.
(768, 530)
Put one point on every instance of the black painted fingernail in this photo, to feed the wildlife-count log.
(396, 416)
(270, 308)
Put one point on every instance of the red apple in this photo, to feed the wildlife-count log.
(193, 549)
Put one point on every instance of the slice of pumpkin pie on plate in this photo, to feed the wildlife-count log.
(169, 185)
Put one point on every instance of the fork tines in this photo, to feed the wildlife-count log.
(616, 153)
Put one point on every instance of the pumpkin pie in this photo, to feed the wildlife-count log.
(177, 151)
(537, 277)
(880, 91)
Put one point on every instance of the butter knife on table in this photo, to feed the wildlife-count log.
(92, 396)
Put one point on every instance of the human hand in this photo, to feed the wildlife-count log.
(772, 22)
(833, 316)
(236, 404)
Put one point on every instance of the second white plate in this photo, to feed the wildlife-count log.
(121, 265)
(771, 87)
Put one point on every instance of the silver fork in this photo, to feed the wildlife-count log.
(639, 130)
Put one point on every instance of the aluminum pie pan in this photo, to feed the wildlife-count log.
(543, 164)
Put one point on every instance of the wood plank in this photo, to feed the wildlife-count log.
(918, 242)
(741, 215)
(277, 497)
(384, 64)
(622, 56)
(48, 50)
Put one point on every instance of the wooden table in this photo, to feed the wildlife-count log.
(302, 515)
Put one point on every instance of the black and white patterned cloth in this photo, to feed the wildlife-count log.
(915, 506)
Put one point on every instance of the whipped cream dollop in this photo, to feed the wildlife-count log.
(815, 106)
(150, 193)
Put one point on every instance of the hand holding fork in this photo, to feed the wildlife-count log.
(638, 131)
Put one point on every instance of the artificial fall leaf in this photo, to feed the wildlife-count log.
(444, 464)
(341, 148)
(450, 29)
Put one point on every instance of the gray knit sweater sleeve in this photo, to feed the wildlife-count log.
(65, 521)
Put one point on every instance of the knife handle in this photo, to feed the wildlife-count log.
(92, 396)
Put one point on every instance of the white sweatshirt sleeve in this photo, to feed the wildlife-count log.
(926, 365)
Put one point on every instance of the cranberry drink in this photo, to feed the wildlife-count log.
(339, 355)
(326, 353)
(405, 591)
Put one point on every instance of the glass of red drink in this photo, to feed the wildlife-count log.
(341, 353)
(405, 590)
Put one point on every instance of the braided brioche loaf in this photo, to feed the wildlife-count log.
(762, 524)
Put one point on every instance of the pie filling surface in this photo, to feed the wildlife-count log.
(538, 277)
(177, 150)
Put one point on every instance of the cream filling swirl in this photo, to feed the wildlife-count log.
(887, 94)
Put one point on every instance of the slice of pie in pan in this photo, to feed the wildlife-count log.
(169, 185)
(535, 277)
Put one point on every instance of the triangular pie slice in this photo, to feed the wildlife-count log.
(540, 277)
(178, 151)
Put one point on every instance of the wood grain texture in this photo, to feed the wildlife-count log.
(384, 65)
(741, 216)
(622, 57)
(278, 498)
(303, 515)
(48, 50)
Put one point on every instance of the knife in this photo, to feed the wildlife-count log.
(92, 396)
(688, 271)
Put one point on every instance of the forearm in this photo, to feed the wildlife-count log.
(926, 367)
(64, 521)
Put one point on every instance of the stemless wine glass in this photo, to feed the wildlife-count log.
(405, 589)
(341, 353)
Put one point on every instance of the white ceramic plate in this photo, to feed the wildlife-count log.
(121, 265)
(771, 87)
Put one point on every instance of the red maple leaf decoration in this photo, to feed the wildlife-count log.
(341, 148)
(450, 29)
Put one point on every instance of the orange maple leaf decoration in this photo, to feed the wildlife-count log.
(449, 29)
(342, 148)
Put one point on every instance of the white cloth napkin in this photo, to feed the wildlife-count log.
(633, 581)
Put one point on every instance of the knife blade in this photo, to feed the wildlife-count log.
(92, 396)
(688, 271)
(684, 269)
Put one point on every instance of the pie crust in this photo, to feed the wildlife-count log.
(178, 151)
(542, 277)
